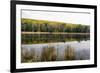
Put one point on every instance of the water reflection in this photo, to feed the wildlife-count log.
(51, 38)
(72, 50)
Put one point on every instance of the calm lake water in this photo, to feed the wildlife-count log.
(80, 45)
(53, 38)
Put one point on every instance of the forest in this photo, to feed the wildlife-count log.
(33, 25)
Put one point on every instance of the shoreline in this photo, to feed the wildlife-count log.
(54, 33)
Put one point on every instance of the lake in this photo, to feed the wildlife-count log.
(50, 47)
(52, 38)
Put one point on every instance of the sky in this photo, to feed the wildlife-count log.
(67, 17)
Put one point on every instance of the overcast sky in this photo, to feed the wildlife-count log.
(67, 17)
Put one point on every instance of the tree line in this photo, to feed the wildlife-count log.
(31, 25)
